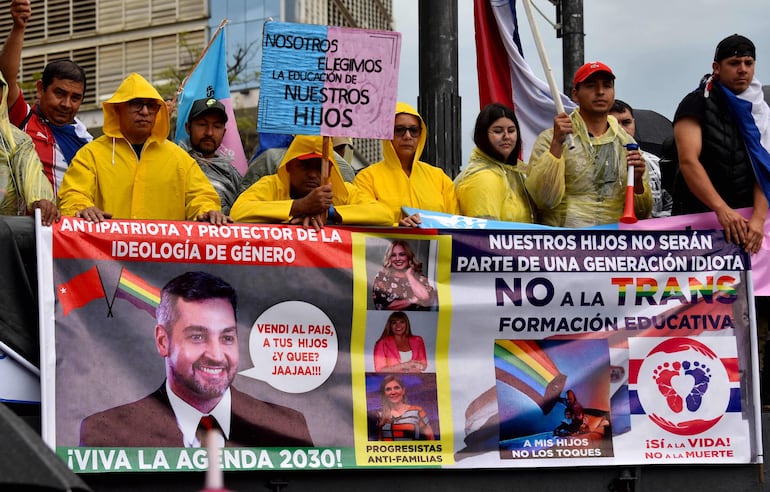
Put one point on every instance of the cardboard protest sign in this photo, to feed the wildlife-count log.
(332, 81)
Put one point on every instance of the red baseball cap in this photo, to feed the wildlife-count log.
(589, 69)
(310, 155)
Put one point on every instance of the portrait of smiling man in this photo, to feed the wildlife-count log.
(197, 335)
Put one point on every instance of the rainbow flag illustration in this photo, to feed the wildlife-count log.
(524, 365)
(138, 292)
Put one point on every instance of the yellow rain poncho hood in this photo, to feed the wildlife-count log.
(269, 199)
(389, 153)
(302, 145)
(425, 187)
(133, 87)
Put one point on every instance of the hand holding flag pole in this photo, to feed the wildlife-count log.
(546, 66)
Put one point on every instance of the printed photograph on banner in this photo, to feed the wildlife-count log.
(168, 343)
(402, 407)
(553, 398)
(685, 398)
(401, 341)
(402, 274)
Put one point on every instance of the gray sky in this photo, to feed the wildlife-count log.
(658, 49)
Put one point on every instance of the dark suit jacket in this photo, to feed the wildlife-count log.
(150, 422)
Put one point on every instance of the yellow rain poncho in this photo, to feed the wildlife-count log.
(428, 187)
(22, 181)
(491, 189)
(269, 200)
(586, 186)
(164, 183)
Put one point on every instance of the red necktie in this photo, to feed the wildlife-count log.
(207, 423)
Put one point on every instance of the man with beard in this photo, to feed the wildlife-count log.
(197, 334)
(206, 127)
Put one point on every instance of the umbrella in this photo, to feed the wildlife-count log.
(27, 463)
(652, 128)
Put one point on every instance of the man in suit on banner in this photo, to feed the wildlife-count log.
(197, 334)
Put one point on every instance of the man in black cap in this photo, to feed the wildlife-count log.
(715, 168)
(206, 127)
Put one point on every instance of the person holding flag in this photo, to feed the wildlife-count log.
(722, 133)
(586, 186)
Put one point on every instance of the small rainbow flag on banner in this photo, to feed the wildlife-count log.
(138, 292)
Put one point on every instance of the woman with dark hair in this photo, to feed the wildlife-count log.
(397, 420)
(400, 284)
(397, 350)
(492, 185)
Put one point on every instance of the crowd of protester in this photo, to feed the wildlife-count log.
(576, 176)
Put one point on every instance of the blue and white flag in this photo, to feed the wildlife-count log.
(209, 79)
(753, 116)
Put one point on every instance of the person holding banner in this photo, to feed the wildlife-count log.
(402, 179)
(206, 128)
(492, 184)
(133, 171)
(197, 335)
(716, 147)
(400, 285)
(297, 194)
(397, 349)
(397, 419)
(586, 185)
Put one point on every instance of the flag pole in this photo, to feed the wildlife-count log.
(197, 62)
(546, 65)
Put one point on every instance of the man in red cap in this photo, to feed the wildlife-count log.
(581, 181)
(297, 194)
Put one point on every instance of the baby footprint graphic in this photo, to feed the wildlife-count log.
(701, 375)
(662, 375)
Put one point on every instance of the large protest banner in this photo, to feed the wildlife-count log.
(326, 80)
(528, 347)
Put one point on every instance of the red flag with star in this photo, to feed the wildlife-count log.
(80, 290)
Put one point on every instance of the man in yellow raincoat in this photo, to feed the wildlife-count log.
(133, 171)
(296, 193)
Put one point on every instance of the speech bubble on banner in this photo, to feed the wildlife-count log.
(326, 80)
(293, 346)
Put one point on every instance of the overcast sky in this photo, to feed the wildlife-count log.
(658, 49)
